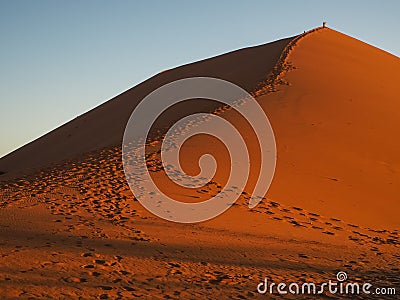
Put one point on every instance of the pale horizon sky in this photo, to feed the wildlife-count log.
(60, 59)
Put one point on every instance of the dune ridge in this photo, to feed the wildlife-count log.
(281, 67)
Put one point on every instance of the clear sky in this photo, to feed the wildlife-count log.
(61, 58)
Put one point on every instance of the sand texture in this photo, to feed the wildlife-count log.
(71, 228)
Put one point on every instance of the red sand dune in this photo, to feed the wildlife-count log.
(74, 230)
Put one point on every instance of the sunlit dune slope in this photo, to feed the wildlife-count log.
(337, 126)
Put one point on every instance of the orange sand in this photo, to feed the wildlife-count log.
(74, 230)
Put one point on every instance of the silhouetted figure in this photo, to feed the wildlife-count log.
(323, 24)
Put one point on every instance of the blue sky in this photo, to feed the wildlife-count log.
(61, 58)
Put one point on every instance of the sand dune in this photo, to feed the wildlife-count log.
(74, 229)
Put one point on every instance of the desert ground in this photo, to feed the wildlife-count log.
(71, 228)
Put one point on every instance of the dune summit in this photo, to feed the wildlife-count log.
(70, 226)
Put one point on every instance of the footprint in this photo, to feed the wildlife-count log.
(336, 220)
(297, 208)
(313, 214)
(328, 232)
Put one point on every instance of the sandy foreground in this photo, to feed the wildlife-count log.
(73, 229)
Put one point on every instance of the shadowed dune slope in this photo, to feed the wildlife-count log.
(104, 125)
